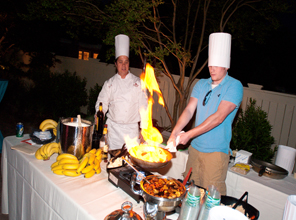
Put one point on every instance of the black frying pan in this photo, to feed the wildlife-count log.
(250, 211)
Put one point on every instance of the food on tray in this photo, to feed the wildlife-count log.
(49, 124)
(165, 188)
(149, 153)
(47, 150)
(241, 168)
(68, 164)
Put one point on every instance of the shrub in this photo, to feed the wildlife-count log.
(252, 132)
(92, 99)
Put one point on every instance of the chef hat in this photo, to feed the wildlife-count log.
(121, 45)
(219, 49)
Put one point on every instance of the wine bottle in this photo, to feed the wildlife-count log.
(104, 145)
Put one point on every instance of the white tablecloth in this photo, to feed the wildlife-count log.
(31, 191)
(265, 194)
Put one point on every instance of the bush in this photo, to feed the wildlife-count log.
(92, 99)
(58, 95)
(252, 132)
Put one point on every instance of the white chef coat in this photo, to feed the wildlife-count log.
(123, 99)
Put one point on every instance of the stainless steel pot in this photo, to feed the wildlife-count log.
(74, 139)
(268, 169)
(163, 204)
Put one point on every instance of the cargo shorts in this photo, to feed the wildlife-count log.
(208, 168)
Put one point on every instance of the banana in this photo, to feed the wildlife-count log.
(59, 172)
(51, 145)
(72, 173)
(70, 166)
(48, 121)
(92, 151)
(91, 159)
(66, 160)
(55, 132)
(43, 153)
(48, 148)
(98, 170)
(98, 152)
(90, 174)
(82, 164)
(99, 157)
(53, 150)
(48, 126)
(87, 168)
(66, 155)
(54, 164)
(97, 164)
(58, 167)
(38, 155)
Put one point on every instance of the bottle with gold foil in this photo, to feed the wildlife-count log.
(104, 144)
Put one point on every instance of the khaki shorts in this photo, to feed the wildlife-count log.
(208, 169)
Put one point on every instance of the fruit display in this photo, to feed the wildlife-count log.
(46, 150)
(49, 124)
(68, 164)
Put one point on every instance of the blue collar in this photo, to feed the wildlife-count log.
(225, 79)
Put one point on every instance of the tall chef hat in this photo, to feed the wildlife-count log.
(121, 45)
(219, 49)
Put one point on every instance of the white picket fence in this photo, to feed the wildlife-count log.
(280, 107)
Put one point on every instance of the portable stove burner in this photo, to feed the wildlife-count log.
(121, 177)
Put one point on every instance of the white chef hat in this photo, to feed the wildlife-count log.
(219, 49)
(121, 45)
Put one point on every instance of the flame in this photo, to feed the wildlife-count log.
(150, 151)
(150, 134)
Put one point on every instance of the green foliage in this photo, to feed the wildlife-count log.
(92, 99)
(252, 132)
(57, 95)
(68, 93)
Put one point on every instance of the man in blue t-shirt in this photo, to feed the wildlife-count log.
(216, 101)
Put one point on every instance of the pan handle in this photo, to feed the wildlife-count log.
(241, 199)
(262, 170)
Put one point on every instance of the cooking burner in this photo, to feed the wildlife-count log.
(121, 177)
(126, 175)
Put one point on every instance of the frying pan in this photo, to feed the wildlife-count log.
(250, 211)
(268, 169)
(142, 163)
(151, 165)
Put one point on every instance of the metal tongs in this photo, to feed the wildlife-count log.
(140, 175)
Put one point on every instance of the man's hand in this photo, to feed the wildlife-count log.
(184, 137)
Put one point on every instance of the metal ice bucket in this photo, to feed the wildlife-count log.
(74, 139)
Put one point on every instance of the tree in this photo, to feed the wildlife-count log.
(174, 33)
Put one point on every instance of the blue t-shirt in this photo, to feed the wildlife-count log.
(217, 139)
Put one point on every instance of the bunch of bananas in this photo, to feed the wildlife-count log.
(49, 124)
(46, 150)
(68, 164)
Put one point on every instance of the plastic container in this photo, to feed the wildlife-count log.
(191, 204)
(213, 199)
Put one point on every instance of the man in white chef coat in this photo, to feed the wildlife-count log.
(123, 97)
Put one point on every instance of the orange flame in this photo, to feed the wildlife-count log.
(150, 151)
(150, 134)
